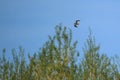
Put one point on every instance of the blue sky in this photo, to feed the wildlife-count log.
(29, 22)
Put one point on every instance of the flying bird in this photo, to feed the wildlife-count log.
(76, 23)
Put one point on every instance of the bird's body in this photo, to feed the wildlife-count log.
(76, 23)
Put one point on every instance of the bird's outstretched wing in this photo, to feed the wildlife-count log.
(76, 23)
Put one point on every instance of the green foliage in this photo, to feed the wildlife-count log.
(13, 70)
(95, 66)
(57, 59)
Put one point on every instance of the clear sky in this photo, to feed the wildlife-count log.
(29, 22)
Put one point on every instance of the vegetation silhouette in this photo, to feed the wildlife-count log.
(57, 59)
